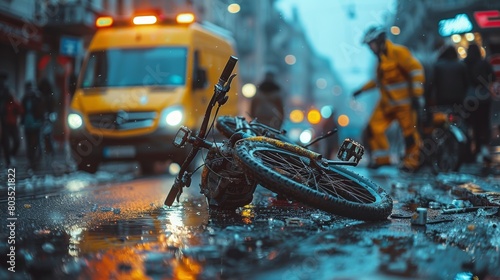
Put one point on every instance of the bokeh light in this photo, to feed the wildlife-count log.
(326, 111)
(314, 117)
(249, 90)
(343, 120)
(321, 83)
(296, 116)
(469, 36)
(462, 52)
(290, 59)
(456, 38)
(233, 8)
(337, 90)
(395, 30)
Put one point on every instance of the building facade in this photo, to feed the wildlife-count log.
(45, 40)
(48, 39)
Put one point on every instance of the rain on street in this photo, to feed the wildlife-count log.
(121, 230)
(106, 98)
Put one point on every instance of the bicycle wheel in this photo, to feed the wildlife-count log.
(448, 156)
(291, 170)
(226, 125)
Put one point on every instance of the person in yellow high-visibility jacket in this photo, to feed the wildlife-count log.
(400, 78)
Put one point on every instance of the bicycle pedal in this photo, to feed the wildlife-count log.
(351, 151)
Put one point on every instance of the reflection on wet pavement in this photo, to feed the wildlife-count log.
(122, 236)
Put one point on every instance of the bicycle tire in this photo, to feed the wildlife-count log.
(226, 125)
(448, 156)
(285, 169)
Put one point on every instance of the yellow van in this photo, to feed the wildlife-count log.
(140, 81)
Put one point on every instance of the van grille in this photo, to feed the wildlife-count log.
(122, 120)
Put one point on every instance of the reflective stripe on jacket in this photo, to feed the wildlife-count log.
(400, 76)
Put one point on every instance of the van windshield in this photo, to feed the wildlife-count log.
(163, 66)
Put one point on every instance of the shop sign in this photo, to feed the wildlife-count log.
(488, 19)
(459, 24)
(70, 46)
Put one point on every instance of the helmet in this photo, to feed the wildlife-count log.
(374, 33)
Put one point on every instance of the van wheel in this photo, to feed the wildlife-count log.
(147, 167)
(88, 166)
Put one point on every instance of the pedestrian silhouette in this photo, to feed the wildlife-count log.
(47, 138)
(267, 105)
(32, 120)
(5, 96)
(13, 111)
(481, 76)
(449, 83)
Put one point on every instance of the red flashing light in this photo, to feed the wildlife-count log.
(488, 19)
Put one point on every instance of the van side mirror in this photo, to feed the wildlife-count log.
(199, 78)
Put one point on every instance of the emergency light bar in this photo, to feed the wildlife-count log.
(145, 19)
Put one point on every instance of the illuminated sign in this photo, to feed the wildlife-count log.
(459, 24)
(488, 19)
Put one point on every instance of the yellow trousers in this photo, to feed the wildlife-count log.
(381, 119)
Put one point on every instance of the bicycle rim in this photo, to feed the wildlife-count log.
(226, 125)
(287, 169)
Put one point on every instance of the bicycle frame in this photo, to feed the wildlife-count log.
(183, 178)
(350, 149)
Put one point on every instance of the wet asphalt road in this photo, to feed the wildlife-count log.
(121, 230)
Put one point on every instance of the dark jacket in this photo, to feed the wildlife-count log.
(450, 80)
(480, 73)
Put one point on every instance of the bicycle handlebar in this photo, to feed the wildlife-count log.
(228, 69)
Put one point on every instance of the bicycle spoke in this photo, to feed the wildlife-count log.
(298, 169)
(345, 188)
(293, 168)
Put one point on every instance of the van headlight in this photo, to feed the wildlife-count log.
(173, 116)
(75, 121)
